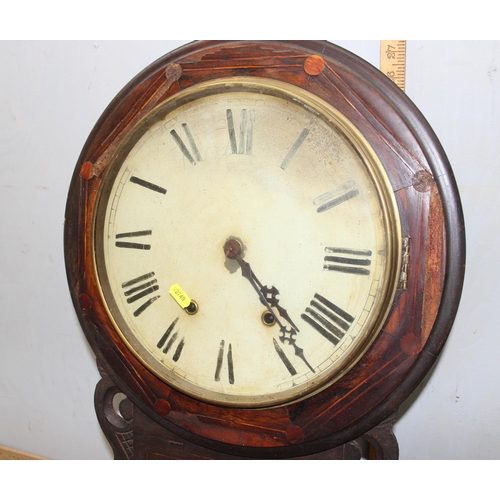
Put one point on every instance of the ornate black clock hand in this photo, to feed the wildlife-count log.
(247, 272)
(268, 296)
(271, 295)
(232, 250)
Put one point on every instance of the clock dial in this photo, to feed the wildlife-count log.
(274, 220)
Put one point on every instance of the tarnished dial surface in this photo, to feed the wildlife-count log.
(265, 207)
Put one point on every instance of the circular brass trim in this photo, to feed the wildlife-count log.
(388, 207)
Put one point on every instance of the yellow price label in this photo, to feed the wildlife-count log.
(180, 296)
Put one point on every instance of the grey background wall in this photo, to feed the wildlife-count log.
(52, 93)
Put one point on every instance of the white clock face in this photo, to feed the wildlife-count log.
(313, 225)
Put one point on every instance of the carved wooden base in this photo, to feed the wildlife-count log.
(133, 435)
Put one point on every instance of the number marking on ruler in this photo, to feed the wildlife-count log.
(393, 61)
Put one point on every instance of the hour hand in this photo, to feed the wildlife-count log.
(271, 295)
(246, 272)
(232, 250)
(268, 297)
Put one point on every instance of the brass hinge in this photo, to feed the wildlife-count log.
(405, 264)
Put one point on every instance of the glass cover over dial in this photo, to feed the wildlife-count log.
(247, 242)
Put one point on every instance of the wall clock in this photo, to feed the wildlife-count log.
(265, 248)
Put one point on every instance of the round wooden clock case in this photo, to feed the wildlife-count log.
(298, 337)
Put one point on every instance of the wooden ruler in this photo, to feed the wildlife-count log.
(393, 61)
(10, 454)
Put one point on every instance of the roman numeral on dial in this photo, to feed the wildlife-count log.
(220, 363)
(139, 288)
(327, 319)
(295, 147)
(241, 142)
(191, 152)
(147, 185)
(132, 244)
(288, 364)
(169, 340)
(336, 196)
(346, 260)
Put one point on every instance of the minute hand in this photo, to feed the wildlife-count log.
(288, 335)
